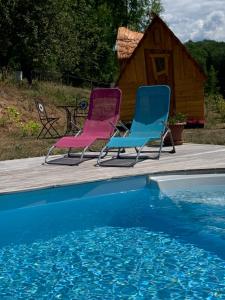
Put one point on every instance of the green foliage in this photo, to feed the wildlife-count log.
(177, 118)
(30, 128)
(215, 103)
(56, 94)
(3, 121)
(74, 37)
(211, 87)
(211, 57)
(12, 114)
(212, 101)
(221, 109)
(156, 7)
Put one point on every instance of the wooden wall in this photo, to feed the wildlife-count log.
(188, 89)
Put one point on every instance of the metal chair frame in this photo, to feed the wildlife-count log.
(48, 130)
(82, 155)
(165, 130)
(139, 150)
(116, 93)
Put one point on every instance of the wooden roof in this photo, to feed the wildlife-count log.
(129, 57)
(126, 42)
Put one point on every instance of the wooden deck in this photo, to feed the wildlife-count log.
(30, 173)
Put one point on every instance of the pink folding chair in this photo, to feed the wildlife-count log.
(103, 115)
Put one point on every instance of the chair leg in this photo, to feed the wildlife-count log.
(138, 151)
(49, 151)
(82, 154)
(160, 148)
(47, 132)
(138, 154)
(172, 142)
(41, 132)
(68, 153)
(47, 129)
(118, 153)
(168, 131)
(53, 128)
(104, 154)
(101, 155)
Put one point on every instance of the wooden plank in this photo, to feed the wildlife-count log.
(29, 173)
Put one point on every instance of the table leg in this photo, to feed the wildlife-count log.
(68, 121)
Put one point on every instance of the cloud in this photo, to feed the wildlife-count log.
(191, 20)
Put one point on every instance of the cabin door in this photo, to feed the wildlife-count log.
(159, 70)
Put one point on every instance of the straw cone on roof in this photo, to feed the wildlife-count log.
(126, 42)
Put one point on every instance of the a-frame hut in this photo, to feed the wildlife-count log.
(158, 57)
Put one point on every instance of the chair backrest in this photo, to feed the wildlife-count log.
(41, 109)
(104, 109)
(152, 110)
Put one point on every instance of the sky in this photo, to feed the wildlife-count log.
(195, 20)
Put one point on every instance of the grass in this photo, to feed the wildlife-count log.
(54, 93)
(19, 122)
(214, 130)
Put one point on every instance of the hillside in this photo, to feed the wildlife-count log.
(19, 121)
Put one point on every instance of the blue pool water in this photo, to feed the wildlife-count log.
(119, 239)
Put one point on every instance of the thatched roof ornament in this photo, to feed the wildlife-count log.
(126, 42)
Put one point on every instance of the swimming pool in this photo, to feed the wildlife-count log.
(129, 238)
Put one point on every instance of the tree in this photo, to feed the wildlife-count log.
(211, 56)
(212, 82)
(6, 32)
(156, 7)
(68, 36)
(134, 14)
(34, 34)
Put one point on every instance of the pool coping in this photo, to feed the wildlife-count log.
(148, 176)
(30, 173)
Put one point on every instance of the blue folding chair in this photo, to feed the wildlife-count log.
(149, 123)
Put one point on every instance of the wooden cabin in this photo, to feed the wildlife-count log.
(158, 57)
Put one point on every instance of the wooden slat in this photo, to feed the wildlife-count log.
(29, 173)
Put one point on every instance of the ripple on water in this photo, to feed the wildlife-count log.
(110, 263)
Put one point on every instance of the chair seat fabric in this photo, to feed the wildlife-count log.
(133, 140)
(75, 142)
(103, 112)
(120, 142)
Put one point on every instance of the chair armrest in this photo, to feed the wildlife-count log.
(77, 127)
(123, 125)
(115, 128)
(118, 130)
(79, 132)
(127, 130)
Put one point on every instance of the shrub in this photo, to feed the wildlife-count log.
(3, 121)
(221, 109)
(12, 114)
(177, 118)
(213, 100)
(30, 128)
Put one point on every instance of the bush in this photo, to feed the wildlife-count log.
(12, 114)
(177, 118)
(3, 121)
(31, 128)
(213, 100)
(221, 109)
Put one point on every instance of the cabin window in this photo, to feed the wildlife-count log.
(160, 64)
